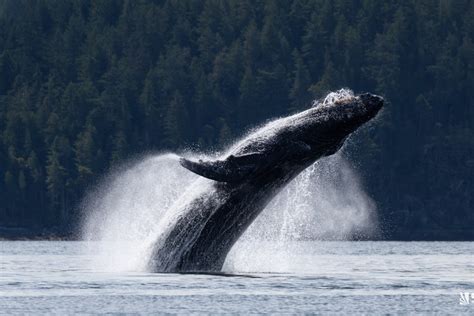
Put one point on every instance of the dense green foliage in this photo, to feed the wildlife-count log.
(85, 84)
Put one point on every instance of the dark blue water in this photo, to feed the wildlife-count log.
(302, 277)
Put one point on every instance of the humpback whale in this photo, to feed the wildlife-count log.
(249, 175)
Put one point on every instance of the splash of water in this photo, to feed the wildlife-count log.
(325, 202)
(124, 212)
(134, 206)
(335, 97)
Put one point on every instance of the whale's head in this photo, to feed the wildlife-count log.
(358, 111)
(289, 143)
(329, 123)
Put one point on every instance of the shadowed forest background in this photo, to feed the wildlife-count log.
(87, 84)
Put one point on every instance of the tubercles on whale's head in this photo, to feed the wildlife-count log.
(350, 111)
(364, 107)
(339, 114)
(372, 102)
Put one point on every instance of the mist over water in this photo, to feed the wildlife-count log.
(129, 211)
(124, 213)
(325, 202)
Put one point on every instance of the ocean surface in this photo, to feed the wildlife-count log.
(49, 277)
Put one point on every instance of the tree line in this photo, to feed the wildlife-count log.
(85, 84)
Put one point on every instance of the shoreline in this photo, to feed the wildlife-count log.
(56, 234)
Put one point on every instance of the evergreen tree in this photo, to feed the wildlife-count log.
(85, 84)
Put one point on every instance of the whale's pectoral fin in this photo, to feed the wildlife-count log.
(233, 169)
(207, 169)
(245, 160)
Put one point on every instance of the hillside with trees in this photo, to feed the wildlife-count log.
(86, 84)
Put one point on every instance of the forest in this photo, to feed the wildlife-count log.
(86, 85)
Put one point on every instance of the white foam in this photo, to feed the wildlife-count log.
(341, 95)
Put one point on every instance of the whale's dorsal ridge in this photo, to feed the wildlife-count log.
(232, 169)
